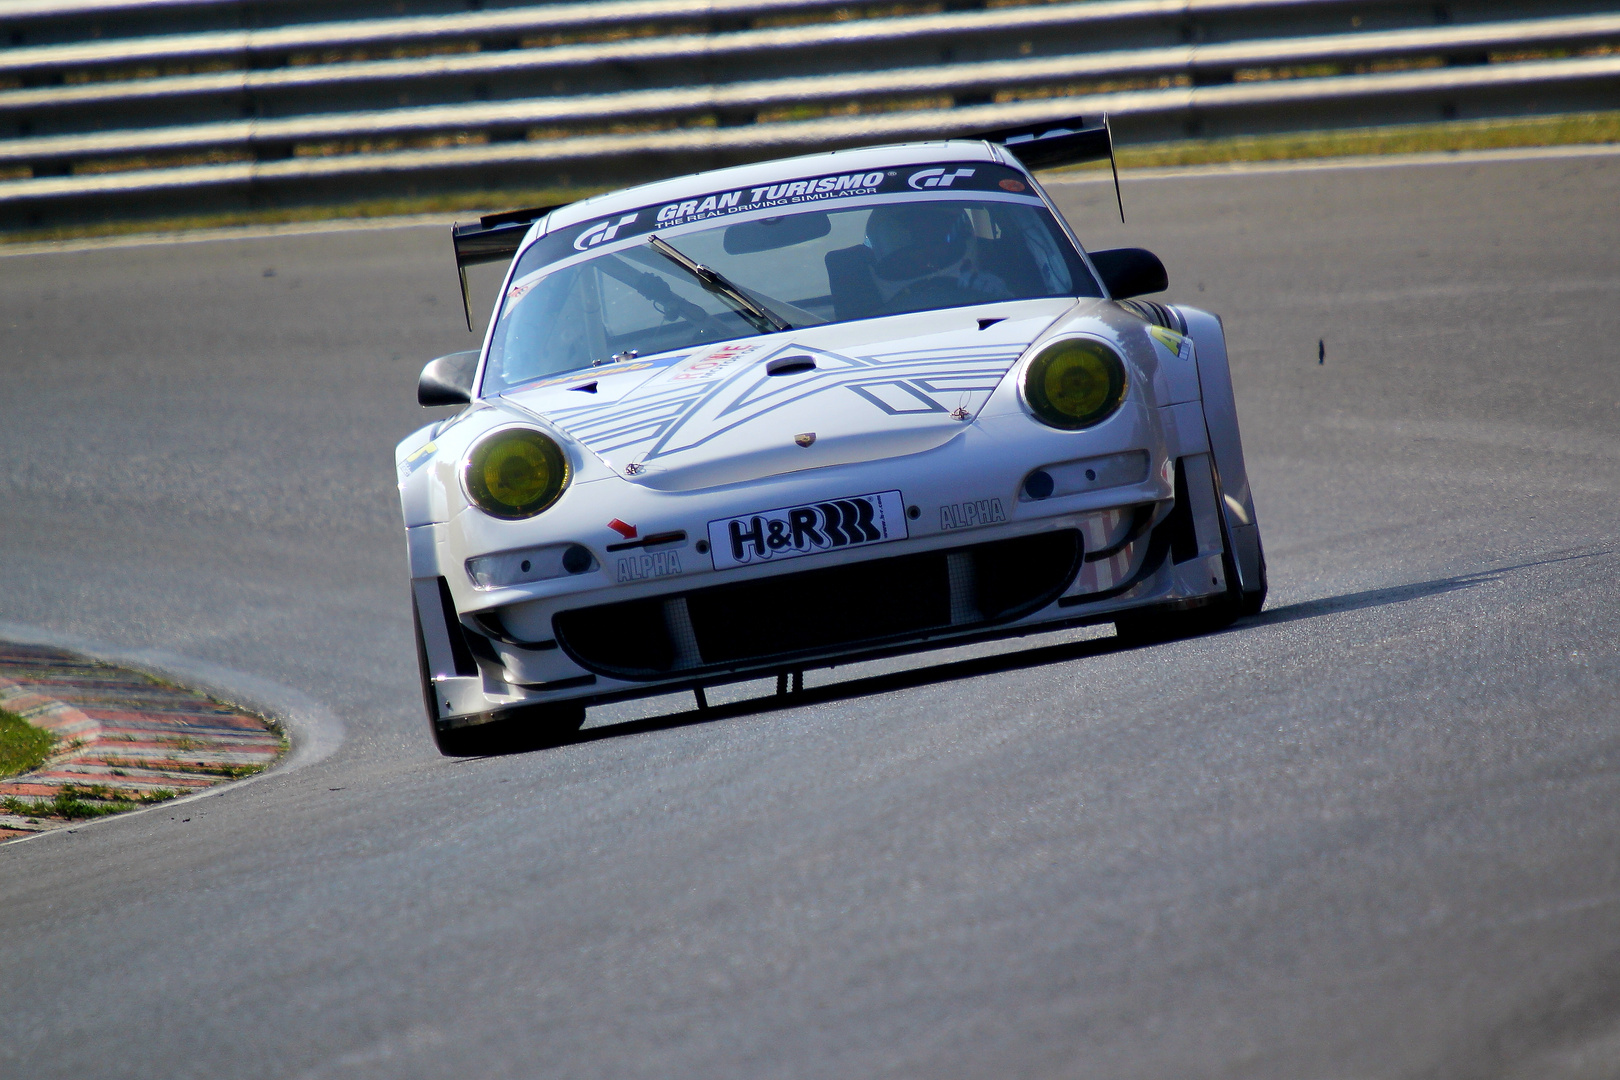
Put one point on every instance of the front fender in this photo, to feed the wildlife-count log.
(1225, 440)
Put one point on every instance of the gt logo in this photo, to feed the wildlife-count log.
(601, 232)
(937, 178)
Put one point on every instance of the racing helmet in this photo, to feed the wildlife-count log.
(911, 240)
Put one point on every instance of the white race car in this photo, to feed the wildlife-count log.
(785, 415)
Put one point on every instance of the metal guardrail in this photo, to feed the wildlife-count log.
(956, 79)
(540, 115)
(480, 26)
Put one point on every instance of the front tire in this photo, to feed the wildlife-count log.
(1252, 602)
(529, 727)
(1152, 627)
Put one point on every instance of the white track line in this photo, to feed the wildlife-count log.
(239, 232)
(1183, 172)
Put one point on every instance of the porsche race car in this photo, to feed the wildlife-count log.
(785, 415)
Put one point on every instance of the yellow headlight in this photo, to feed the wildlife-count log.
(1075, 384)
(515, 473)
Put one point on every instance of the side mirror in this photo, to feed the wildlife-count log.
(448, 380)
(1128, 272)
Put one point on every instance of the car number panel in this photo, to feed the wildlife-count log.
(810, 529)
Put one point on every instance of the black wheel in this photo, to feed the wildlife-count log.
(1252, 602)
(528, 727)
(430, 700)
(1151, 627)
(1222, 611)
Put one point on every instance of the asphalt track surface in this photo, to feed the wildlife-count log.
(1374, 832)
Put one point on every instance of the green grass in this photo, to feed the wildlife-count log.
(227, 772)
(1457, 135)
(1454, 136)
(23, 747)
(80, 801)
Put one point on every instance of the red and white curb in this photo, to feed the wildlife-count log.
(121, 735)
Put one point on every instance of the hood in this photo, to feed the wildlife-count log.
(802, 399)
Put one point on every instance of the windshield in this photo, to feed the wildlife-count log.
(803, 267)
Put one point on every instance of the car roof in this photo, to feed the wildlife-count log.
(775, 171)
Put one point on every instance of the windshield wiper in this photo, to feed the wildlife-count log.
(763, 318)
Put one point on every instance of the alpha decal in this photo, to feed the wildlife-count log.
(965, 515)
(654, 564)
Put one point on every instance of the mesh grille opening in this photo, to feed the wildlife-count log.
(823, 610)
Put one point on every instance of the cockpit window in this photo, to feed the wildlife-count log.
(883, 254)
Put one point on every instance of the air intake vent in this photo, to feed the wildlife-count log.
(835, 609)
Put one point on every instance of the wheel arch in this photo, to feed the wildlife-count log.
(1226, 443)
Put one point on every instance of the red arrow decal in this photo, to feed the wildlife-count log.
(626, 531)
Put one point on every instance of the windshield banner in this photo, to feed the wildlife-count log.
(788, 194)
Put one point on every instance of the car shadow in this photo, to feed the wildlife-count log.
(1049, 654)
(1400, 594)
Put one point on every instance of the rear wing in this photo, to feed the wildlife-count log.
(495, 237)
(1038, 146)
(1060, 142)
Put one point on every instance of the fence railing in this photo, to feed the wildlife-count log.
(347, 102)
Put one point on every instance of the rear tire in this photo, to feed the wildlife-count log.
(529, 727)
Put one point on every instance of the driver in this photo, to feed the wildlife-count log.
(925, 251)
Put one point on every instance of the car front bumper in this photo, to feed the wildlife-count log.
(980, 558)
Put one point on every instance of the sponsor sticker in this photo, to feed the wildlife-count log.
(1178, 344)
(784, 194)
(791, 531)
(907, 180)
(936, 178)
(649, 564)
(965, 515)
(418, 458)
(603, 231)
(716, 361)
